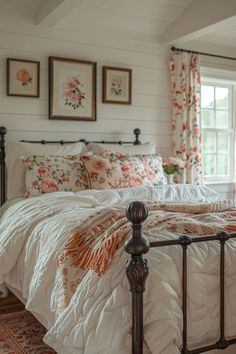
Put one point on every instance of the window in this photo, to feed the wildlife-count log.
(217, 131)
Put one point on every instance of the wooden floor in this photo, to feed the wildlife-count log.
(10, 304)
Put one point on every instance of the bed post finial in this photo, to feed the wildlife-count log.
(137, 270)
(3, 132)
(137, 213)
(137, 132)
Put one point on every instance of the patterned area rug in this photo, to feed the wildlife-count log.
(21, 333)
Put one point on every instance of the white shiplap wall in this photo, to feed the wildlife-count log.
(110, 33)
(85, 39)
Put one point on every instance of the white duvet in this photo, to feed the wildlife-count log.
(98, 318)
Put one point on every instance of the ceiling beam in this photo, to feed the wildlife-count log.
(52, 11)
(197, 19)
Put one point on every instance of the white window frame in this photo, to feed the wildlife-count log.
(215, 80)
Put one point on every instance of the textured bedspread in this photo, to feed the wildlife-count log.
(88, 313)
(92, 245)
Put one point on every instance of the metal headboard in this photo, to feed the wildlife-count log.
(3, 132)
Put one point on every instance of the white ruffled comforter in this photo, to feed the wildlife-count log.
(98, 318)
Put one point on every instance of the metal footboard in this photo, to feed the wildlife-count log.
(137, 273)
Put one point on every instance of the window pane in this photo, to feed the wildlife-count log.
(217, 139)
(222, 97)
(207, 120)
(222, 119)
(209, 142)
(223, 165)
(207, 96)
(209, 165)
(223, 142)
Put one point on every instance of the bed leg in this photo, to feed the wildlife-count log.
(137, 271)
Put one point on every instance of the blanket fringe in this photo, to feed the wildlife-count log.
(85, 257)
(94, 247)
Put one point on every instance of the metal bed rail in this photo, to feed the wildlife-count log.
(137, 273)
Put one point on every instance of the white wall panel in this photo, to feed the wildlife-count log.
(88, 39)
(122, 34)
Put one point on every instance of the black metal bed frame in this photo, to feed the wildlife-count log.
(137, 273)
(137, 268)
(3, 132)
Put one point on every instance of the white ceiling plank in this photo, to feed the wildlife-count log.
(52, 11)
(197, 19)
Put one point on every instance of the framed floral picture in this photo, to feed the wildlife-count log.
(72, 89)
(117, 85)
(23, 77)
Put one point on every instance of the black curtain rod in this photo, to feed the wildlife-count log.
(201, 53)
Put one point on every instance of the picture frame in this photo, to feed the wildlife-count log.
(72, 89)
(117, 85)
(23, 77)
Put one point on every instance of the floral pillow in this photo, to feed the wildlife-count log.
(46, 174)
(114, 170)
(153, 164)
(153, 168)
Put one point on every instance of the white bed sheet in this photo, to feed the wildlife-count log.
(98, 318)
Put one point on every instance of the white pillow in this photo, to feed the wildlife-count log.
(142, 149)
(182, 193)
(16, 169)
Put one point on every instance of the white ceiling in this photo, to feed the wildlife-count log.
(179, 22)
(145, 18)
(224, 34)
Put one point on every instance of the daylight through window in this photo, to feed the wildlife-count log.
(217, 132)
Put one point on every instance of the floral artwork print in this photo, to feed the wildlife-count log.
(185, 87)
(117, 86)
(72, 89)
(24, 76)
(74, 95)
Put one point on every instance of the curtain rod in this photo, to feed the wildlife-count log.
(202, 53)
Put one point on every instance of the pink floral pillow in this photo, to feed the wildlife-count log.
(46, 174)
(153, 168)
(106, 171)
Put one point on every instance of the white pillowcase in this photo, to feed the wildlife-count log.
(142, 149)
(16, 169)
(179, 193)
(184, 193)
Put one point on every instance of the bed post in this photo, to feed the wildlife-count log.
(137, 270)
(3, 132)
(137, 132)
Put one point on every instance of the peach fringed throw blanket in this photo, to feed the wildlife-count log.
(93, 245)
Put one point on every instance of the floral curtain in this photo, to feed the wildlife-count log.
(185, 88)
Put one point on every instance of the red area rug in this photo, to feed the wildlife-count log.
(21, 333)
